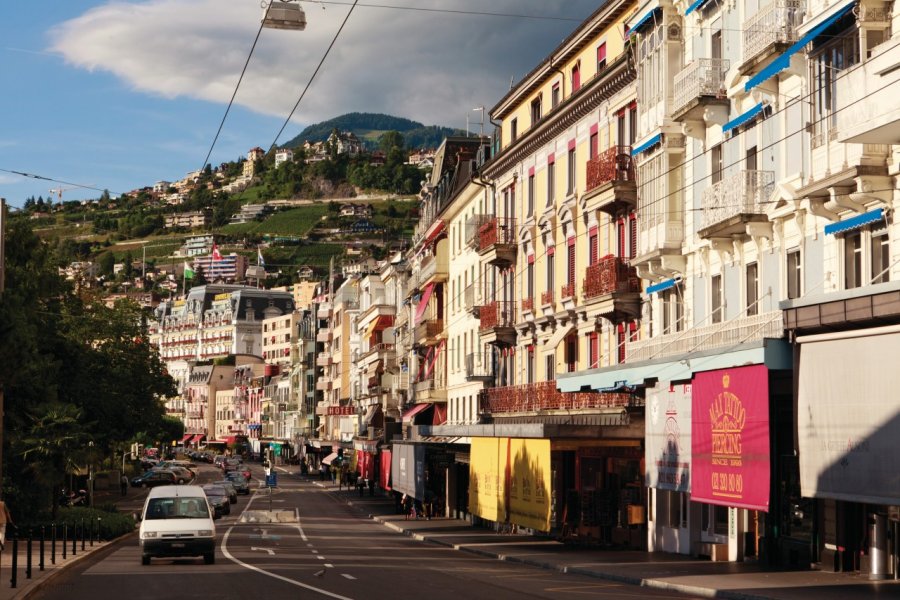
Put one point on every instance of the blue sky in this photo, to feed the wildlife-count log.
(119, 95)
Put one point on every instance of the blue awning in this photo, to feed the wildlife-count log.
(855, 222)
(643, 20)
(741, 119)
(697, 4)
(782, 62)
(656, 139)
(663, 285)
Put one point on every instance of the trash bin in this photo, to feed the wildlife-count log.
(878, 547)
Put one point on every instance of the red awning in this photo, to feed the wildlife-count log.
(198, 437)
(435, 230)
(385, 474)
(229, 439)
(187, 436)
(412, 412)
(423, 302)
(440, 414)
(430, 369)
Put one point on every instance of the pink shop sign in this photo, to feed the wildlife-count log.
(730, 437)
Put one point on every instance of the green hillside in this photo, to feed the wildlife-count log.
(369, 127)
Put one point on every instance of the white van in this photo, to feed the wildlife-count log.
(177, 521)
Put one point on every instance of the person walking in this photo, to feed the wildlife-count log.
(5, 519)
(123, 484)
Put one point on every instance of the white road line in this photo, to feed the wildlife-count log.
(329, 565)
(320, 557)
(347, 576)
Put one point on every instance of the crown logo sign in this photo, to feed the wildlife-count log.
(726, 379)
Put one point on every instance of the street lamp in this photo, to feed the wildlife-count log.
(283, 14)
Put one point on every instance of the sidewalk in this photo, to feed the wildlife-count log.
(701, 578)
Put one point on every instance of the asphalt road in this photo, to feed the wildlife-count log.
(333, 552)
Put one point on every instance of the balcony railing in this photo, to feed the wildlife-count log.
(729, 333)
(528, 305)
(774, 24)
(534, 397)
(703, 77)
(473, 229)
(610, 275)
(500, 313)
(568, 291)
(499, 231)
(472, 297)
(743, 193)
(611, 166)
(547, 297)
(479, 367)
(429, 329)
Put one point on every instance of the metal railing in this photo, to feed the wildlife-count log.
(774, 24)
(742, 193)
(609, 275)
(480, 365)
(612, 165)
(533, 397)
(703, 77)
(500, 313)
(499, 231)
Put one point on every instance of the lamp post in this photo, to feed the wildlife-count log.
(91, 473)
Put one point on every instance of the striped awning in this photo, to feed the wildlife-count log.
(662, 286)
(855, 222)
(743, 118)
(656, 139)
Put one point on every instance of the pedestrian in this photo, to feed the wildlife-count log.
(323, 468)
(404, 502)
(123, 484)
(5, 518)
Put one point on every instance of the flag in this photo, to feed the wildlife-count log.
(188, 271)
(259, 258)
(216, 255)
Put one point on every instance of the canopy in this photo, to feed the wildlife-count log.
(412, 412)
(423, 302)
(187, 436)
(330, 458)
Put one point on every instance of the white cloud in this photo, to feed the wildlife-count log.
(432, 67)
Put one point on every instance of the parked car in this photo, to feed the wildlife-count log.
(182, 474)
(154, 478)
(218, 498)
(241, 483)
(229, 487)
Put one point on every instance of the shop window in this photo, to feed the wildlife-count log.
(714, 522)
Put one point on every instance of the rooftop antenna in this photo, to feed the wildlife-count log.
(481, 108)
(512, 80)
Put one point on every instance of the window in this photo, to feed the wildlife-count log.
(529, 365)
(554, 96)
(551, 183)
(513, 130)
(601, 57)
(593, 350)
(853, 260)
(621, 128)
(529, 278)
(672, 301)
(750, 161)
(550, 366)
(571, 353)
(716, 166)
(594, 146)
(752, 277)
(632, 236)
(570, 173)
(550, 253)
(632, 124)
(570, 262)
(593, 246)
(715, 284)
(881, 256)
(620, 343)
(831, 55)
(535, 111)
(576, 78)
(531, 194)
(793, 271)
(714, 521)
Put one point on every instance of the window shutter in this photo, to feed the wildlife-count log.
(593, 246)
(620, 238)
(632, 224)
(576, 78)
(620, 343)
(594, 345)
(571, 260)
(601, 54)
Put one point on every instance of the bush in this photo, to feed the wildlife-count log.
(112, 523)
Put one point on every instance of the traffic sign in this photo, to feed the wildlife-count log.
(272, 480)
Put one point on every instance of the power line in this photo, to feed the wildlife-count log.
(450, 11)
(53, 180)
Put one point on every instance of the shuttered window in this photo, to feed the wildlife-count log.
(620, 343)
(620, 238)
(593, 246)
(571, 261)
(593, 350)
(632, 236)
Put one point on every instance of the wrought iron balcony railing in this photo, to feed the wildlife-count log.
(612, 165)
(609, 275)
(743, 193)
(774, 24)
(703, 77)
(499, 313)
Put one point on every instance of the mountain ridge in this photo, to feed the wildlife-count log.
(370, 126)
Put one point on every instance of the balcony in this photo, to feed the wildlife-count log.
(528, 305)
(610, 179)
(472, 299)
(323, 385)
(612, 288)
(430, 390)
(427, 331)
(497, 242)
(323, 335)
(497, 323)
(547, 299)
(567, 293)
(323, 359)
(324, 310)
(473, 227)
(866, 105)
(544, 397)
(434, 267)
(730, 204)
(479, 367)
(700, 86)
(720, 335)
(770, 31)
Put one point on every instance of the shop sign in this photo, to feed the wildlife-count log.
(343, 411)
(668, 438)
(730, 437)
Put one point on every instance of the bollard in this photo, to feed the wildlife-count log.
(15, 558)
(82, 535)
(74, 539)
(28, 555)
(53, 544)
(91, 532)
(41, 561)
(65, 540)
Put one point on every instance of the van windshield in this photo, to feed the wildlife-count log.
(177, 508)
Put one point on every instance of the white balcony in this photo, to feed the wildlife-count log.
(734, 201)
(866, 103)
(698, 339)
(323, 335)
(700, 82)
(772, 29)
(323, 385)
(323, 359)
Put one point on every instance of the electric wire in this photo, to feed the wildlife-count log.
(450, 11)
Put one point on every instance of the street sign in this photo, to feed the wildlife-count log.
(272, 480)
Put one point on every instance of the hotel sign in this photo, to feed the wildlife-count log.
(730, 437)
(344, 411)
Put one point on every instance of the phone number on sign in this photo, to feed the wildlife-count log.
(728, 483)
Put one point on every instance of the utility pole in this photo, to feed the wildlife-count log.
(2, 286)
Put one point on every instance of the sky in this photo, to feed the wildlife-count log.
(118, 95)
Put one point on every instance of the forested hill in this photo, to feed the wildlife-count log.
(370, 126)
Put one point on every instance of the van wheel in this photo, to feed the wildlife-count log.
(145, 559)
(180, 481)
(209, 559)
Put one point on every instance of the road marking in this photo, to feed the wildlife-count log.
(269, 550)
(314, 551)
(347, 576)
(320, 557)
(309, 545)
(229, 556)
(329, 565)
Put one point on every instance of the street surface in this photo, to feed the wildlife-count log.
(333, 552)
